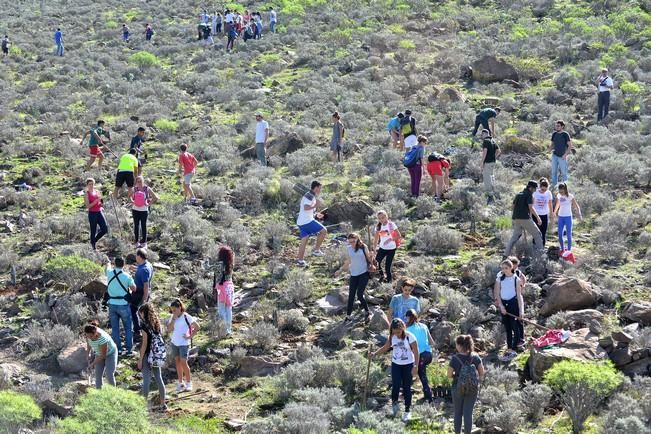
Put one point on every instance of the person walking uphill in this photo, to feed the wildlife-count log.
(483, 118)
(542, 202)
(401, 303)
(393, 126)
(387, 240)
(466, 371)
(102, 354)
(337, 140)
(118, 291)
(58, 40)
(152, 353)
(425, 341)
(127, 169)
(261, 138)
(308, 225)
(182, 327)
(5, 46)
(137, 142)
(93, 202)
(359, 261)
(143, 196)
(561, 145)
(413, 161)
(563, 210)
(508, 298)
(408, 134)
(404, 364)
(187, 168)
(97, 139)
(604, 85)
(523, 211)
(489, 154)
(142, 278)
(224, 289)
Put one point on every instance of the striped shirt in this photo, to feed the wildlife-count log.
(104, 338)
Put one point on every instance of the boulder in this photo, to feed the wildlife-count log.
(334, 302)
(569, 293)
(520, 145)
(57, 409)
(441, 332)
(353, 211)
(638, 311)
(581, 346)
(379, 322)
(334, 333)
(622, 337)
(257, 366)
(621, 357)
(639, 367)
(450, 94)
(286, 144)
(584, 316)
(491, 69)
(73, 359)
(95, 289)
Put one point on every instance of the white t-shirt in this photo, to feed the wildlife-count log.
(608, 82)
(272, 16)
(507, 286)
(260, 128)
(305, 217)
(229, 18)
(181, 329)
(565, 210)
(402, 353)
(385, 233)
(541, 201)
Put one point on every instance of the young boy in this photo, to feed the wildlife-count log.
(187, 167)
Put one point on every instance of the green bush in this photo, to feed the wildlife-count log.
(166, 125)
(17, 411)
(109, 409)
(144, 59)
(74, 271)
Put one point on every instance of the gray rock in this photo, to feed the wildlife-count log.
(490, 69)
(379, 322)
(638, 311)
(584, 316)
(606, 342)
(632, 329)
(334, 302)
(95, 289)
(73, 359)
(257, 366)
(353, 211)
(7, 372)
(441, 333)
(640, 367)
(621, 357)
(569, 293)
(622, 337)
(285, 144)
(57, 409)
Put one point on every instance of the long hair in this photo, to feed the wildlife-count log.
(397, 324)
(379, 224)
(359, 244)
(150, 316)
(466, 342)
(412, 317)
(226, 256)
(178, 303)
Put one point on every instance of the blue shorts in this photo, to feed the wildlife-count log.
(180, 351)
(311, 228)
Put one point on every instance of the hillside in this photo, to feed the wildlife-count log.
(293, 364)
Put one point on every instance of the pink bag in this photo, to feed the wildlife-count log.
(552, 337)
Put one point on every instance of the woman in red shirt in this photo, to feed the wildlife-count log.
(93, 202)
(438, 168)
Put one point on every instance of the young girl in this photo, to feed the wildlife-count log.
(542, 202)
(404, 362)
(563, 211)
(224, 287)
(438, 167)
(104, 353)
(150, 327)
(182, 327)
(416, 171)
(463, 404)
(93, 202)
(520, 275)
(425, 341)
(508, 298)
(358, 260)
(387, 238)
(143, 196)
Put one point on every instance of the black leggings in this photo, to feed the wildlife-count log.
(140, 222)
(96, 218)
(513, 336)
(357, 286)
(543, 227)
(389, 255)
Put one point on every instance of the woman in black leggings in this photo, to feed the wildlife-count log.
(143, 196)
(387, 240)
(93, 202)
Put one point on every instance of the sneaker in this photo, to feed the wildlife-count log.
(180, 387)
(162, 408)
(301, 263)
(318, 253)
(188, 387)
(143, 245)
(394, 409)
(406, 416)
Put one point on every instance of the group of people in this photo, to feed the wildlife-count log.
(234, 25)
(148, 32)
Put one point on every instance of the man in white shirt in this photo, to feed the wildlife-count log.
(272, 20)
(605, 84)
(307, 224)
(261, 138)
(229, 20)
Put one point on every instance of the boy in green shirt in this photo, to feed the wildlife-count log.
(95, 142)
(127, 167)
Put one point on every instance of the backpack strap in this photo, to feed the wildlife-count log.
(185, 317)
(115, 277)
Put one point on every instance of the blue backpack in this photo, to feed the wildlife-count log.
(411, 157)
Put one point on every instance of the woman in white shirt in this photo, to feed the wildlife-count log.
(182, 327)
(387, 240)
(542, 202)
(563, 211)
(508, 298)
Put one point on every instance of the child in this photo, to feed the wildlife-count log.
(182, 327)
(520, 275)
(508, 298)
(438, 168)
(224, 287)
(187, 167)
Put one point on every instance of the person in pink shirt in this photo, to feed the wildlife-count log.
(187, 167)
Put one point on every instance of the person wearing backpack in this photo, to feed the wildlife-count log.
(387, 241)
(5, 46)
(152, 353)
(224, 288)
(413, 161)
(466, 371)
(118, 291)
(489, 153)
(404, 364)
(96, 218)
(359, 262)
(408, 134)
(143, 196)
(393, 127)
(604, 85)
(482, 119)
(149, 32)
(136, 143)
(438, 168)
(337, 137)
(425, 342)
(142, 278)
(563, 210)
(182, 327)
(508, 298)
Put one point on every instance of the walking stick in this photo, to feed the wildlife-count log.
(115, 209)
(530, 322)
(368, 371)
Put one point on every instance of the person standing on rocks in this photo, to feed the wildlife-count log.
(187, 168)
(93, 202)
(564, 203)
(408, 134)
(261, 138)
(182, 327)
(359, 261)
(404, 364)
(308, 225)
(465, 366)
(523, 211)
(387, 239)
(489, 154)
(605, 84)
(224, 287)
(142, 278)
(95, 142)
(119, 288)
(102, 354)
(425, 342)
(394, 129)
(561, 145)
(508, 298)
(337, 140)
(542, 202)
(401, 303)
(58, 40)
(483, 118)
(151, 335)
(143, 196)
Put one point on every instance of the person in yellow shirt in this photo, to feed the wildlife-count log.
(127, 167)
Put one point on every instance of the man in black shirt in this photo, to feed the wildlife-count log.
(136, 143)
(489, 153)
(560, 147)
(521, 219)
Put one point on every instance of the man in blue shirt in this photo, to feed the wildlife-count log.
(136, 143)
(394, 129)
(143, 277)
(58, 39)
(119, 286)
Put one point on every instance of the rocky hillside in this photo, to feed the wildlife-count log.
(293, 365)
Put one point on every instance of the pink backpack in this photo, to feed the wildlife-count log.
(140, 197)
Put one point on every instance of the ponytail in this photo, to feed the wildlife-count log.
(466, 343)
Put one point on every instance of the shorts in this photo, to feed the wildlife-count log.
(434, 169)
(180, 351)
(123, 177)
(411, 141)
(311, 228)
(95, 151)
(187, 178)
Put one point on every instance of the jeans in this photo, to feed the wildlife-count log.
(272, 26)
(357, 285)
(603, 103)
(229, 43)
(463, 406)
(415, 173)
(489, 179)
(480, 121)
(401, 377)
(544, 219)
(137, 301)
(60, 50)
(225, 313)
(513, 335)
(96, 218)
(565, 225)
(147, 371)
(261, 153)
(107, 365)
(218, 29)
(140, 225)
(122, 313)
(424, 360)
(559, 163)
(519, 228)
(389, 254)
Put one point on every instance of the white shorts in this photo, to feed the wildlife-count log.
(411, 141)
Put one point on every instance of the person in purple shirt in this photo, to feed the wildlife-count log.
(58, 39)
(142, 278)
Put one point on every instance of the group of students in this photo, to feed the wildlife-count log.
(234, 24)
(148, 32)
